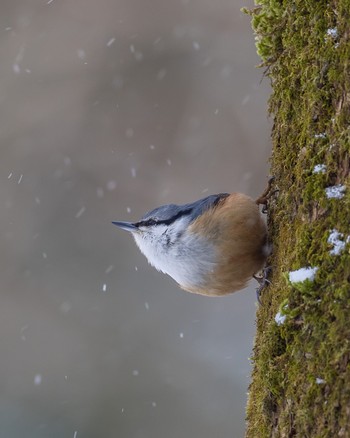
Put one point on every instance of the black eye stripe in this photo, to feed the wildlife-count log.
(173, 212)
(150, 222)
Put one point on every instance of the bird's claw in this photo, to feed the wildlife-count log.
(266, 195)
(263, 282)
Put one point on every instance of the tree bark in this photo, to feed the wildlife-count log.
(301, 362)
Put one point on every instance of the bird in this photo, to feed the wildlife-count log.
(212, 246)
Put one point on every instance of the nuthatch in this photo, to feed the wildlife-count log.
(212, 246)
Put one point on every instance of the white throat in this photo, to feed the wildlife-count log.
(183, 255)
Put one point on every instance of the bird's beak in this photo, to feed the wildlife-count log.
(127, 226)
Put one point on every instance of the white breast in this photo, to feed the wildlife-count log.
(188, 259)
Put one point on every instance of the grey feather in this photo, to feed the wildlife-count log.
(166, 214)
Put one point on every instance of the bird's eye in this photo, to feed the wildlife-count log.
(149, 222)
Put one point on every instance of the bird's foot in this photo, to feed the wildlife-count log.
(266, 195)
(263, 281)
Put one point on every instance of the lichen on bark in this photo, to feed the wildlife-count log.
(301, 362)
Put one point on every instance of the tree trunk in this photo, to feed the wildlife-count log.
(301, 363)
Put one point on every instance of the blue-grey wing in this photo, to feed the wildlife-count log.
(168, 213)
(202, 205)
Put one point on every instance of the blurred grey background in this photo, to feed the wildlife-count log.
(110, 108)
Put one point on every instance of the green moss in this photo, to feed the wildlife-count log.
(301, 376)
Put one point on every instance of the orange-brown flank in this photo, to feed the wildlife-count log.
(239, 234)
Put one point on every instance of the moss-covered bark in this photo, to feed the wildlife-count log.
(301, 377)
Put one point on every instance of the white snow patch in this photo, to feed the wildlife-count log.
(109, 269)
(128, 209)
(320, 381)
(335, 192)
(280, 318)
(110, 42)
(181, 335)
(81, 54)
(37, 379)
(104, 287)
(320, 168)
(137, 55)
(99, 192)
(321, 135)
(332, 32)
(22, 331)
(16, 69)
(80, 212)
(16, 65)
(111, 185)
(336, 239)
(302, 274)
